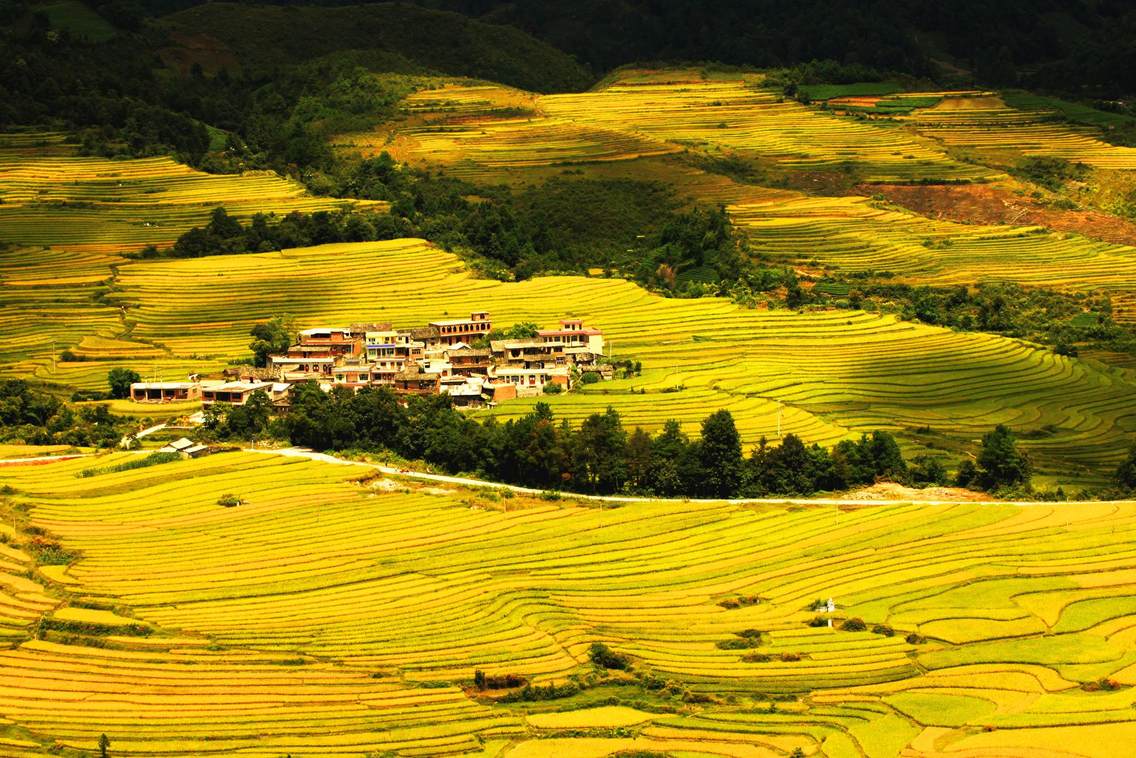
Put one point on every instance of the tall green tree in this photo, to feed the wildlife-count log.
(720, 454)
(120, 380)
(1126, 472)
(599, 451)
(639, 460)
(1000, 462)
(271, 337)
(670, 451)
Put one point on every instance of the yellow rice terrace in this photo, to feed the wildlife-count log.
(557, 380)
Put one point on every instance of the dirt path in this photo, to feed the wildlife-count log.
(896, 493)
(851, 500)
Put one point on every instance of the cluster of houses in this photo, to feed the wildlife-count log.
(439, 358)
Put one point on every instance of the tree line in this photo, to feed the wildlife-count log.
(630, 228)
(600, 455)
(31, 415)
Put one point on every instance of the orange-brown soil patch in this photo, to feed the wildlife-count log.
(187, 49)
(892, 491)
(988, 204)
(858, 101)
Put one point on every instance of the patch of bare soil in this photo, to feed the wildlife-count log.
(986, 204)
(892, 491)
(209, 52)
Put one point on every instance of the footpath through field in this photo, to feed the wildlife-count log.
(297, 452)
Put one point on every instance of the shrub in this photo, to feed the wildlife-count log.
(497, 682)
(818, 621)
(757, 658)
(854, 625)
(229, 500)
(735, 643)
(1049, 172)
(790, 657)
(1104, 683)
(48, 552)
(731, 603)
(883, 629)
(604, 656)
(552, 388)
(915, 639)
(152, 459)
(92, 629)
(589, 377)
(548, 692)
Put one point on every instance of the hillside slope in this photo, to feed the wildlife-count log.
(355, 618)
(261, 35)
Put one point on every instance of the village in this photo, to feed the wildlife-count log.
(453, 357)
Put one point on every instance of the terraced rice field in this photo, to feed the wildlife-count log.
(483, 132)
(328, 616)
(737, 115)
(831, 373)
(54, 197)
(860, 235)
(461, 128)
(987, 124)
(65, 222)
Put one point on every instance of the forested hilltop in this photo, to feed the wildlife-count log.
(1079, 47)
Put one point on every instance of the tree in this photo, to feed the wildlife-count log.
(251, 418)
(669, 452)
(1000, 462)
(967, 473)
(104, 743)
(600, 452)
(639, 460)
(273, 336)
(309, 417)
(1126, 471)
(720, 454)
(120, 380)
(886, 456)
(928, 470)
(223, 226)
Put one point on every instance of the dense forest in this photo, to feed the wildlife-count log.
(1081, 47)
